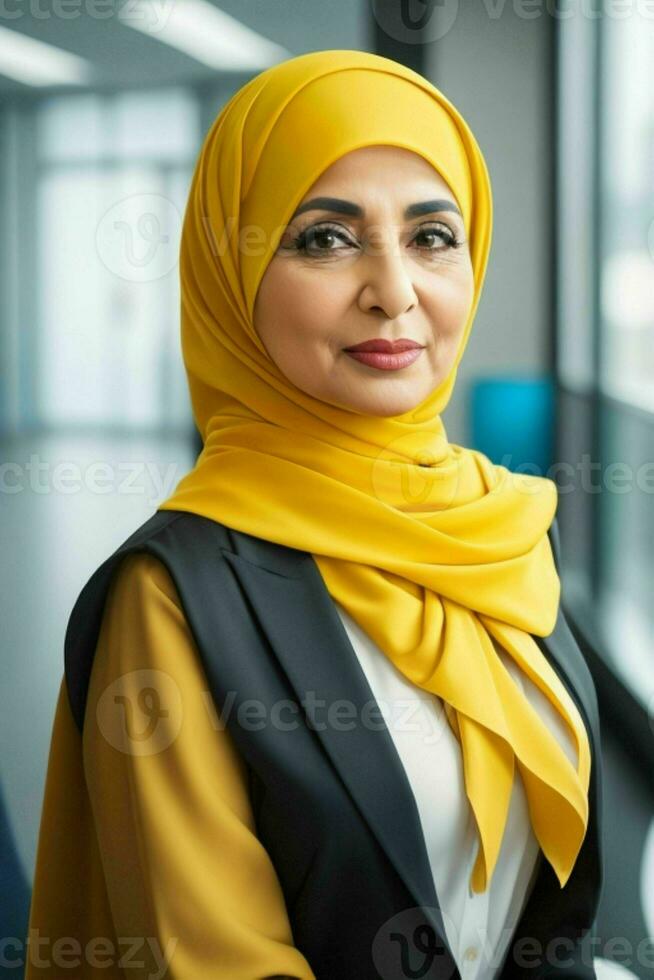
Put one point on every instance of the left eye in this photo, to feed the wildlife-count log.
(438, 231)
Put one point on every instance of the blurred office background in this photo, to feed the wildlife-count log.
(103, 108)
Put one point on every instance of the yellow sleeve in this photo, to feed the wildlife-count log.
(184, 869)
(71, 932)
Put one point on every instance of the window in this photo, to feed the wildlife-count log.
(627, 209)
(605, 328)
(113, 177)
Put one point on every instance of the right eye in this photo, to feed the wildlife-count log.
(314, 239)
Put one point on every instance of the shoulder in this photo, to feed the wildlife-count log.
(154, 561)
(134, 595)
(142, 623)
(141, 578)
(176, 528)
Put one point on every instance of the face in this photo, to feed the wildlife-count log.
(384, 261)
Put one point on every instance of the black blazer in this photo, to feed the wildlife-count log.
(332, 802)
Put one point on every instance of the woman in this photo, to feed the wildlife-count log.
(229, 779)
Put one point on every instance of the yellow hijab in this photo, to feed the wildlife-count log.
(436, 552)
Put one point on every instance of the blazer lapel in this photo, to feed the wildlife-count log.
(297, 614)
(562, 651)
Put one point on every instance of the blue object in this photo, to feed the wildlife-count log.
(512, 422)
(15, 906)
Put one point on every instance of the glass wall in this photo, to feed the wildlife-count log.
(627, 209)
(605, 328)
(113, 176)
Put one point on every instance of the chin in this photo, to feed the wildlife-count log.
(380, 404)
(387, 408)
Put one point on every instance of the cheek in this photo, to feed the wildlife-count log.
(305, 302)
(448, 306)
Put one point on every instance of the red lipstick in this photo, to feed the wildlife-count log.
(386, 355)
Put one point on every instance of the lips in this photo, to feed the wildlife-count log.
(378, 345)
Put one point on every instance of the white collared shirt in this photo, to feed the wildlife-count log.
(479, 926)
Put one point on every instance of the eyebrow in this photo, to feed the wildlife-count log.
(340, 206)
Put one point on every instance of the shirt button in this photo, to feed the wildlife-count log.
(471, 953)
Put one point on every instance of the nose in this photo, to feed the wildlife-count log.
(387, 286)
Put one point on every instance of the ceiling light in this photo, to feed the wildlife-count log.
(203, 32)
(33, 62)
